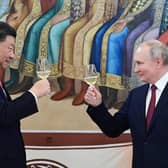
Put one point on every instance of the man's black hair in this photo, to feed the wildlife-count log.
(6, 30)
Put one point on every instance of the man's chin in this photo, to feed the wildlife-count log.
(142, 79)
(5, 66)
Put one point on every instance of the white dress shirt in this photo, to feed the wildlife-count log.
(160, 84)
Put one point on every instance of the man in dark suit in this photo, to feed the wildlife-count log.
(149, 131)
(12, 152)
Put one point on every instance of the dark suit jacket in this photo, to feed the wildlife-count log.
(150, 148)
(12, 152)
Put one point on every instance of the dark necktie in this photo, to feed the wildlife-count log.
(151, 107)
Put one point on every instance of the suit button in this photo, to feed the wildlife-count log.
(145, 143)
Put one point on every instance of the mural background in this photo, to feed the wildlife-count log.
(72, 33)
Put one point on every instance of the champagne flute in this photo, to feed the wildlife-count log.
(43, 68)
(90, 74)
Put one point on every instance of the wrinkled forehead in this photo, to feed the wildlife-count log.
(8, 42)
(142, 49)
(141, 53)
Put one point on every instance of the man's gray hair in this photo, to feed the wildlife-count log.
(157, 49)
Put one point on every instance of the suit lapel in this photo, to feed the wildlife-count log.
(2, 95)
(5, 95)
(143, 105)
(140, 112)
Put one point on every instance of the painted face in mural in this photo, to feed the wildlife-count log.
(7, 51)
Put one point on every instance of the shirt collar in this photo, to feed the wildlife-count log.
(162, 82)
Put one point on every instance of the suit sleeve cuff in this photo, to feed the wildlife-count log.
(34, 96)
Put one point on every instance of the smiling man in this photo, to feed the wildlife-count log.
(12, 152)
(145, 110)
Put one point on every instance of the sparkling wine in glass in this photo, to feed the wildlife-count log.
(43, 68)
(90, 74)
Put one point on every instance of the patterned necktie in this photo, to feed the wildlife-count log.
(151, 107)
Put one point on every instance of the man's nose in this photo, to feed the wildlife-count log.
(12, 55)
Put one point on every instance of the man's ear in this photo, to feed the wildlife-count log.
(159, 61)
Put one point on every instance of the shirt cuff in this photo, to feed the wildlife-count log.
(36, 99)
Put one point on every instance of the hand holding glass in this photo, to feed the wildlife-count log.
(90, 74)
(43, 68)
